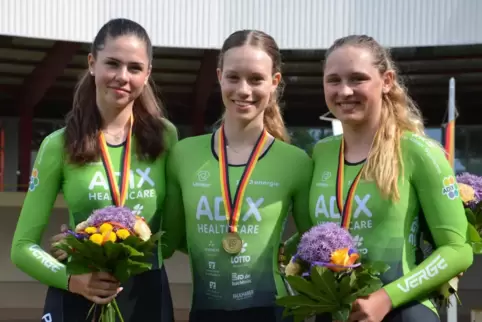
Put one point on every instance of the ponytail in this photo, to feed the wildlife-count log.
(274, 124)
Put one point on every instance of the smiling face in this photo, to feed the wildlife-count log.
(121, 69)
(354, 86)
(247, 82)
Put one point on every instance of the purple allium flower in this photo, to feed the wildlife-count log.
(472, 180)
(321, 241)
(121, 215)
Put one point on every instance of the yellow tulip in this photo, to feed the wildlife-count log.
(105, 228)
(91, 230)
(123, 233)
(96, 238)
(467, 193)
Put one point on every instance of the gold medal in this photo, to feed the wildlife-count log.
(232, 243)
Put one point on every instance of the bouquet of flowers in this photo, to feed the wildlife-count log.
(470, 187)
(327, 276)
(111, 240)
(470, 192)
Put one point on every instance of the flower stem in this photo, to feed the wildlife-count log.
(116, 307)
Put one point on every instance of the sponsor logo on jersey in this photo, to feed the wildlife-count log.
(141, 185)
(326, 208)
(242, 259)
(214, 212)
(431, 270)
(48, 261)
(212, 269)
(450, 188)
(325, 176)
(240, 279)
(266, 183)
(34, 180)
(202, 177)
(243, 295)
(358, 242)
(47, 318)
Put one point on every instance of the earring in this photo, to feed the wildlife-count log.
(92, 72)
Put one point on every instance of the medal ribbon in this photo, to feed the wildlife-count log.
(118, 197)
(233, 208)
(346, 210)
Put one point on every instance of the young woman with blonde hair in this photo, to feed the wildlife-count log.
(392, 177)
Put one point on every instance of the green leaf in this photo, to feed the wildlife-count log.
(79, 266)
(341, 315)
(95, 252)
(301, 285)
(126, 268)
(348, 300)
(131, 251)
(477, 248)
(471, 218)
(473, 235)
(121, 271)
(113, 251)
(295, 300)
(370, 287)
(325, 282)
(378, 268)
(344, 288)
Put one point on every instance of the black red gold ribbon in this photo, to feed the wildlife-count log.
(346, 209)
(233, 207)
(118, 196)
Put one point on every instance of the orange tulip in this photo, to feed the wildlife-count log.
(342, 259)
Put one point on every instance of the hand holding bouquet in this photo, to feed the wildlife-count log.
(327, 276)
(112, 240)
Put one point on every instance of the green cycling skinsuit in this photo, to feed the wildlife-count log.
(194, 206)
(390, 231)
(85, 188)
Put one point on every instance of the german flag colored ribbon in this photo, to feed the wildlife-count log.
(346, 209)
(233, 207)
(118, 196)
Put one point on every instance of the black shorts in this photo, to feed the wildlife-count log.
(264, 314)
(146, 297)
(413, 312)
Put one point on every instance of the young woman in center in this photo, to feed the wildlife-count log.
(394, 179)
(230, 192)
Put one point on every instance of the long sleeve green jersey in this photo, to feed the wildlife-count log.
(389, 231)
(85, 188)
(194, 206)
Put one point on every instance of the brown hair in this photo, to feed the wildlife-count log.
(273, 120)
(399, 114)
(84, 121)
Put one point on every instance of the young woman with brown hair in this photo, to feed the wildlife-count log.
(230, 192)
(115, 113)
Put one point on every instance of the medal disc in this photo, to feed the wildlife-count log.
(232, 243)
